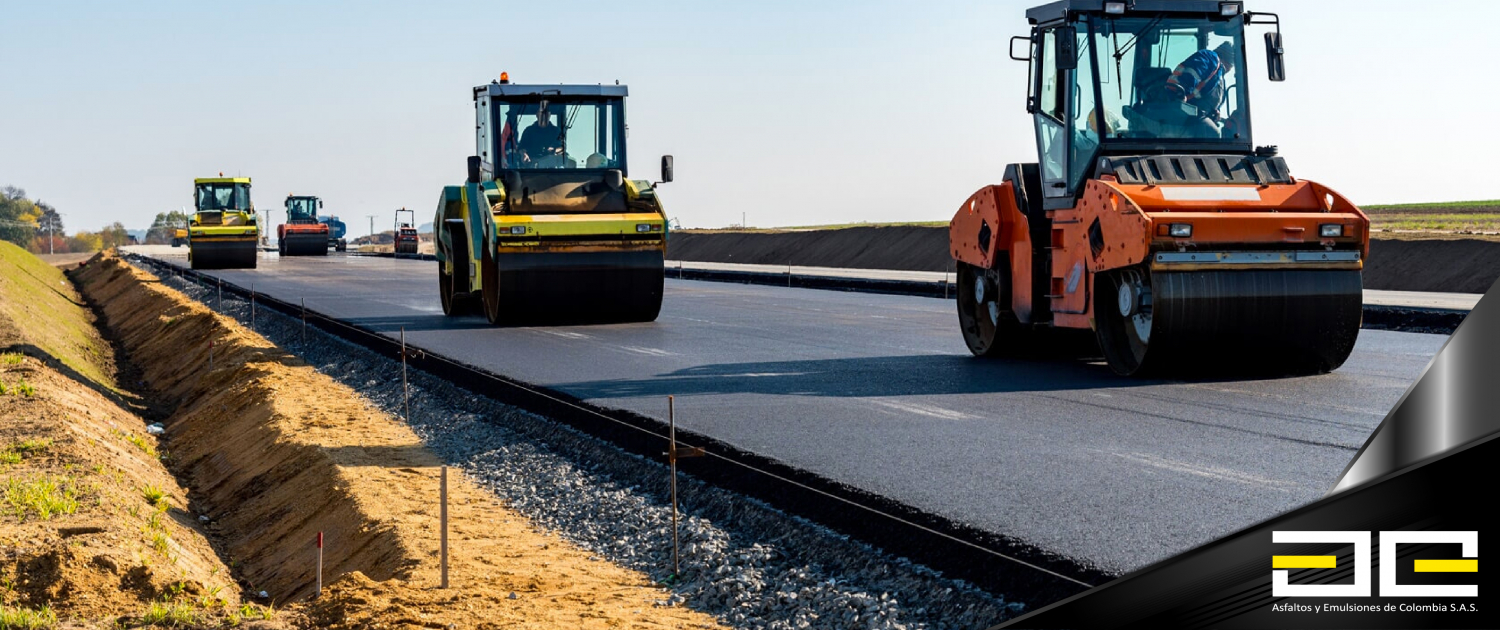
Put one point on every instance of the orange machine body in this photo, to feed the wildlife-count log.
(990, 231)
(314, 228)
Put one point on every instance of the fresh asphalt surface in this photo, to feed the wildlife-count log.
(879, 392)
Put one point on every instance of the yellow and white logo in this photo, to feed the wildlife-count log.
(1281, 585)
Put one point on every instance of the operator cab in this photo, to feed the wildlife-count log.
(224, 201)
(551, 127)
(222, 196)
(560, 133)
(302, 209)
(1143, 78)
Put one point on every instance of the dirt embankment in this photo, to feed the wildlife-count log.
(1447, 266)
(905, 248)
(93, 527)
(276, 452)
(1450, 266)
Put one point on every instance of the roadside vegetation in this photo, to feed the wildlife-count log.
(1452, 207)
(38, 300)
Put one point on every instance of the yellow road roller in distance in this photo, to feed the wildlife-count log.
(223, 232)
(549, 229)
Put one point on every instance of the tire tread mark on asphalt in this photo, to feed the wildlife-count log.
(1149, 414)
(1218, 388)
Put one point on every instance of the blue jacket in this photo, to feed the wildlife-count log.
(1200, 78)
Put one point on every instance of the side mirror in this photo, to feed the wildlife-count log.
(1024, 56)
(320, 203)
(1275, 62)
(614, 179)
(473, 169)
(1067, 47)
(666, 168)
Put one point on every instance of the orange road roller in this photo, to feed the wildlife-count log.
(1151, 217)
(302, 234)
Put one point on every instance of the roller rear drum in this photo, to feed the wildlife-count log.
(1271, 322)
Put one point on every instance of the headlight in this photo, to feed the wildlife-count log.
(1181, 230)
(517, 229)
(1114, 8)
(646, 227)
(1331, 230)
(1230, 9)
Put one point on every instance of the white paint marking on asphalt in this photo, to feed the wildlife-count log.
(1210, 472)
(931, 411)
(693, 319)
(650, 352)
(565, 334)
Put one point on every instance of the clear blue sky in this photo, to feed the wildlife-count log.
(793, 112)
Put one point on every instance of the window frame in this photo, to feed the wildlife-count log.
(618, 127)
(1158, 146)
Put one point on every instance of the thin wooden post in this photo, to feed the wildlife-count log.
(252, 306)
(320, 564)
(405, 392)
(221, 295)
(443, 517)
(672, 454)
(672, 461)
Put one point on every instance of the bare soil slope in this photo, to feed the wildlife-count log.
(277, 452)
(92, 526)
(1450, 266)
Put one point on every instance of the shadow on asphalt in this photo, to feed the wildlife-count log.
(864, 377)
(419, 323)
(468, 322)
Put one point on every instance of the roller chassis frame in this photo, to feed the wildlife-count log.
(547, 279)
(1110, 244)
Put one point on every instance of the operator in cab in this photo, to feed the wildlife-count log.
(1199, 82)
(541, 143)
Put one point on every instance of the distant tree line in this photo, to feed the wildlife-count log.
(38, 227)
(161, 229)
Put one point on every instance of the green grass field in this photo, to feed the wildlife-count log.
(1445, 217)
(1445, 207)
(38, 306)
(1442, 222)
